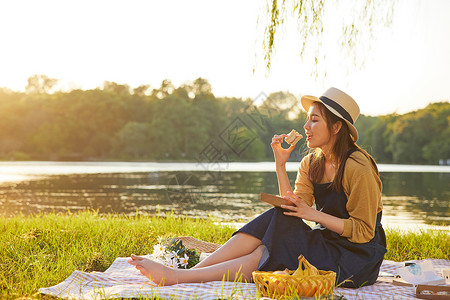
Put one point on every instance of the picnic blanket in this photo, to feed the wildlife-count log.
(122, 280)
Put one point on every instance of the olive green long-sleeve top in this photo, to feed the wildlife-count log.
(362, 186)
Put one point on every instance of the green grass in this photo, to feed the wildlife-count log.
(43, 250)
(421, 244)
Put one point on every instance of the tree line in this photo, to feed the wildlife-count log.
(116, 122)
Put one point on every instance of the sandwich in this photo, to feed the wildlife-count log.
(293, 137)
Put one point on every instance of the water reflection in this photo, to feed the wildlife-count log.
(423, 197)
(233, 196)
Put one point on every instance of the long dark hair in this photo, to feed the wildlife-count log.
(343, 143)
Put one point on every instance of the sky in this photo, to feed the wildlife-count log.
(84, 43)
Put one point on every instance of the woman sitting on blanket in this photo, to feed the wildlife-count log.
(339, 177)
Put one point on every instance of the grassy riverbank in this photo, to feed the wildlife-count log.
(43, 250)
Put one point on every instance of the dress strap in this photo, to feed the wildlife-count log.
(349, 152)
(379, 215)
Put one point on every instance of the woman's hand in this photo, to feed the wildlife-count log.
(280, 154)
(302, 210)
(299, 208)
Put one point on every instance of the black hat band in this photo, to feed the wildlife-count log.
(337, 107)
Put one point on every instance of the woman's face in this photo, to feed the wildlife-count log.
(316, 129)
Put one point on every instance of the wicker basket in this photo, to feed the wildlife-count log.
(192, 243)
(282, 286)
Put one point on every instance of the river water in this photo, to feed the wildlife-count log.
(413, 196)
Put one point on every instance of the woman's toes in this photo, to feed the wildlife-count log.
(135, 257)
(139, 267)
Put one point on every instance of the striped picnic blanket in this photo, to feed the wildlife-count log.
(122, 280)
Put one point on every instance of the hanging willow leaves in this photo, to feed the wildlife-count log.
(359, 22)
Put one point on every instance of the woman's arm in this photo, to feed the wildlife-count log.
(281, 156)
(362, 186)
(283, 181)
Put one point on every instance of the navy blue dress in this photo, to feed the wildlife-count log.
(286, 237)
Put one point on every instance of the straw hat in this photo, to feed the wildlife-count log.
(340, 104)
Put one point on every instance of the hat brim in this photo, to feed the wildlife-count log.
(308, 100)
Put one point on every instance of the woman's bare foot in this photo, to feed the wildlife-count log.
(156, 272)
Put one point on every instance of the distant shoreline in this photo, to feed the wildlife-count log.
(87, 167)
